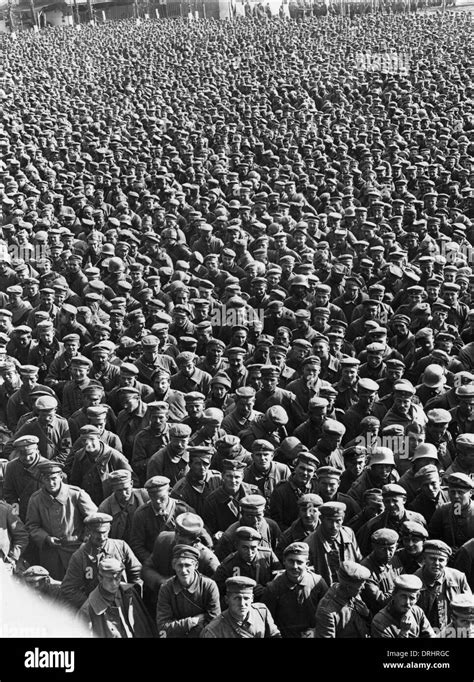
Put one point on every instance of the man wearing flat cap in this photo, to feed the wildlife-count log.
(37, 578)
(439, 583)
(393, 516)
(431, 494)
(342, 613)
(332, 542)
(52, 431)
(284, 499)
(200, 480)
(157, 569)
(122, 503)
(453, 522)
(172, 459)
(305, 524)
(55, 518)
(22, 476)
(384, 567)
(73, 389)
(210, 432)
(132, 419)
(402, 618)
(152, 360)
(20, 402)
(271, 395)
(82, 571)
(248, 557)
(242, 414)
(189, 377)
(264, 472)
(114, 610)
(163, 393)
(158, 514)
(127, 377)
(188, 601)
(222, 507)
(93, 462)
(242, 619)
(151, 439)
(294, 595)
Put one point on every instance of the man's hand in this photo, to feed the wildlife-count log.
(53, 542)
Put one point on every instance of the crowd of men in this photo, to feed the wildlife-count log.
(237, 326)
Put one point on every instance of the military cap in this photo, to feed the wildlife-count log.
(89, 430)
(157, 482)
(381, 455)
(401, 318)
(270, 371)
(203, 452)
(189, 524)
(277, 415)
(427, 473)
(328, 472)
(248, 533)
(160, 406)
(129, 390)
(368, 385)
(15, 289)
(349, 362)
(354, 451)
(186, 552)
(50, 467)
(129, 369)
(393, 430)
(97, 411)
(245, 392)
(240, 584)
(81, 361)
(212, 415)
(384, 537)
(437, 547)
(215, 342)
(260, 445)
(439, 416)
(326, 391)
(372, 495)
(46, 402)
(149, 342)
(278, 349)
(28, 371)
(26, 443)
(298, 548)
(334, 427)
(310, 499)
(404, 387)
(333, 509)
(465, 442)
(412, 528)
(110, 565)
(407, 583)
(93, 388)
(193, 397)
(425, 450)
(120, 478)
(98, 518)
(311, 360)
(350, 571)
(179, 431)
(3, 311)
(232, 465)
(459, 481)
(34, 573)
(424, 333)
(462, 605)
(252, 503)
(393, 490)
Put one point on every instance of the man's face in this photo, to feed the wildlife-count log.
(367, 398)
(99, 534)
(384, 553)
(78, 374)
(434, 564)
(413, 544)
(356, 464)
(185, 569)
(187, 369)
(110, 581)
(381, 473)
(269, 383)
(303, 474)
(195, 410)
(327, 488)
(239, 604)
(404, 601)
(262, 461)
(232, 480)
(309, 515)
(252, 518)
(349, 375)
(52, 482)
(27, 456)
(198, 468)
(395, 506)
(247, 550)
(402, 403)
(459, 496)
(92, 443)
(431, 488)
(159, 499)
(124, 493)
(295, 566)
(179, 444)
(331, 526)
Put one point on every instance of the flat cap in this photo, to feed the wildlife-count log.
(412, 528)
(156, 482)
(462, 605)
(384, 537)
(333, 509)
(50, 467)
(240, 584)
(328, 472)
(203, 452)
(350, 571)
(437, 547)
(247, 533)
(189, 524)
(460, 481)
(110, 565)
(186, 552)
(46, 402)
(277, 415)
(252, 503)
(194, 397)
(393, 490)
(98, 518)
(179, 431)
(233, 465)
(120, 477)
(439, 416)
(310, 500)
(407, 583)
(26, 443)
(298, 548)
(36, 573)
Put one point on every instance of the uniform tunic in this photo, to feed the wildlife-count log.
(121, 526)
(386, 625)
(339, 618)
(147, 525)
(178, 605)
(259, 624)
